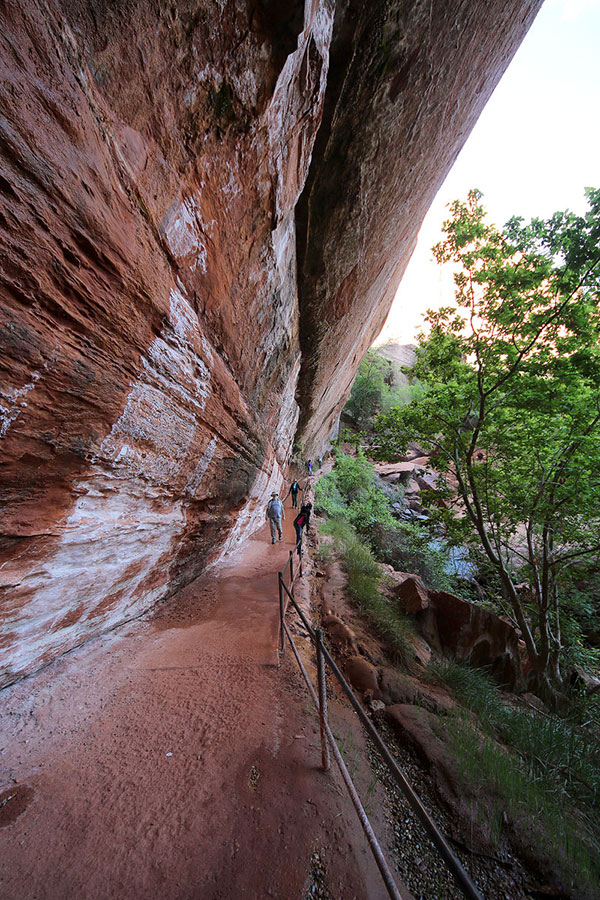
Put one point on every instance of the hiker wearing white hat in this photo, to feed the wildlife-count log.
(275, 514)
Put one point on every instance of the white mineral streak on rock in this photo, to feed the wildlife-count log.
(183, 318)
(252, 515)
(126, 519)
(15, 403)
(114, 537)
(288, 418)
(182, 229)
(205, 461)
(157, 428)
(207, 350)
(284, 244)
(232, 188)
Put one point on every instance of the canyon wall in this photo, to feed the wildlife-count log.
(161, 167)
(392, 128)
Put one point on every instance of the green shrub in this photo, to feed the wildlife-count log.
(353, 475)
(371, 510)
(349, 491)
(407, 548)
(364, 588)
(542, 766)
(328, 500)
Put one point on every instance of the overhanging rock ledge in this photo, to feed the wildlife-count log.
(205, 210)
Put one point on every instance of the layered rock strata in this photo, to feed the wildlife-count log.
(158, 168)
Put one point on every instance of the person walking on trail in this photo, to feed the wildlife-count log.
(309, 466)
(301, 521)
(294, 488)
(275, 513)
(306, 508)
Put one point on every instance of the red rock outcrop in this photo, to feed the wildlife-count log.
(470, 632)
(461, 629)
(408, 81)
(157, 162)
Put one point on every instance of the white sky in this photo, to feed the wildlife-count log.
(534, 150)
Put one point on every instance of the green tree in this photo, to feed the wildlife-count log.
(512, 408)
(369, 389)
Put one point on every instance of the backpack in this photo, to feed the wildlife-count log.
(299, 520)
(273, 509)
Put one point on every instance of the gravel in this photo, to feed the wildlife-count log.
(317, 889)
(415, 858)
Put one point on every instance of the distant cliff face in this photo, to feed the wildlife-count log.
(160, 166)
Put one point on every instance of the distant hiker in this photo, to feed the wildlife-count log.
(275, 513)
(294, 488)
(320, 462)
(309, 466)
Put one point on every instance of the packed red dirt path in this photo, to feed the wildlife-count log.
(173, 758)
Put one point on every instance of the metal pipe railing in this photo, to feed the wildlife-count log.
(456, 868)
(360, 810)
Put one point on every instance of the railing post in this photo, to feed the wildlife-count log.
(281, 616)
(291, 570)
(322, 699)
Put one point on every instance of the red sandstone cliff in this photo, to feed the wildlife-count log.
(160, 164)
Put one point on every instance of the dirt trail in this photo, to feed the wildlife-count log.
(173, 759)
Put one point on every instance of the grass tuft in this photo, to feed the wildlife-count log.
(544, 768)
(364, 587)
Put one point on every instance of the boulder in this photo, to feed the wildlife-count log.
(363, 676)
(393, 470)
(396, 687)
(421, 731)
(412, 594)
(340, 634)
(469, 632)
(421, 650)
(412, 487)
(581, 678)
(427, 480)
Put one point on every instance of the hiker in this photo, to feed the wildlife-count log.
(294, 488)
(320, 463)
(309, 466)
(275, 513)
(306, 508)
(301, 521)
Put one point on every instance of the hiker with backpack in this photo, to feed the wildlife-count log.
(301, 521)
(275, 514)
(294, 488)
